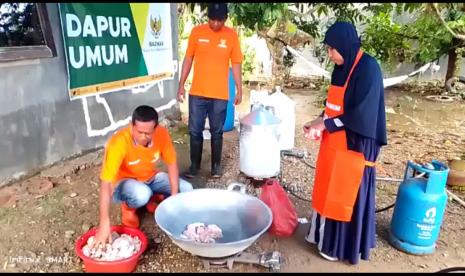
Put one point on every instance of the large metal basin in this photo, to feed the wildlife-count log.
(243, 219)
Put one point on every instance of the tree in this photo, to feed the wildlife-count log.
(455, 25)
(270, 21)
(271, 15)
(433, 31)
(294, 24)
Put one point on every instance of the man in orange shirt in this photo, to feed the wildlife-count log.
(129, 170)
(212, 47)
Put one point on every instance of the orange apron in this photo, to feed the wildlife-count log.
(339, 171)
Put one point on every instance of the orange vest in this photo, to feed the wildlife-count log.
(339, 171)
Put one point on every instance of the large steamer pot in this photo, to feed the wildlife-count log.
(259, 144)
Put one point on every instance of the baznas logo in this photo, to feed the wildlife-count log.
(155, 26)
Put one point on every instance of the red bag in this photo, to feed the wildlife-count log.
(284, 214)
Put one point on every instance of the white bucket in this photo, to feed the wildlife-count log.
(283, 108)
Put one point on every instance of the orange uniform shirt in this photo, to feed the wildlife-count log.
(212, 52)
(125, 159)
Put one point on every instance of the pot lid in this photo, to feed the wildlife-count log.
(260, 116)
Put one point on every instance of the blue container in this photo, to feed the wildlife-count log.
(229, 121)
(419, 209)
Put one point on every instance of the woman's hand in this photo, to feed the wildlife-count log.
(314, 129)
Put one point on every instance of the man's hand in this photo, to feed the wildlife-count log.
(103, 236)
(104, 230)
(238, 98)
(186, 68)
(181, 93)
(173, 176)
(237, 74)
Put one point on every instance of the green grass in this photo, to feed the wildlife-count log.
(52, 203)
(181, 132)
(5, 213)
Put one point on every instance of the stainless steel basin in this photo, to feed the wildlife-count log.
(242, 217)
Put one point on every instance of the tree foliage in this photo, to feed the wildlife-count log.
(257, 16)
(392, 32)
(430, 32)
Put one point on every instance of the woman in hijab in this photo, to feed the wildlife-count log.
(352, 129)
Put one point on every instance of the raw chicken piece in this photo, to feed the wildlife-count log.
(215, 230)
(192, 230)
(200, 233)
(123, 246)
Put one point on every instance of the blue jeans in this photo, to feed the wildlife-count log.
(137, 194)
(199, 109)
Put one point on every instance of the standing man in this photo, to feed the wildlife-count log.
(213, 47)
(129, 174)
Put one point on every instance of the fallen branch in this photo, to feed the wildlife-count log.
(458, 199)
(389, 179)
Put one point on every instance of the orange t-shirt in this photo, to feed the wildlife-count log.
(125, 159)
(212, 52)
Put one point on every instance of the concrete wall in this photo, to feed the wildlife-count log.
(39, 125)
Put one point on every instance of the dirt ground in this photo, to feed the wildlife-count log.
(44, 215)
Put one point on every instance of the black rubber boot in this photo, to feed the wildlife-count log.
(196, 158)
(216, 148)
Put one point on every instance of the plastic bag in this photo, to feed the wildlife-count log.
(284, 215)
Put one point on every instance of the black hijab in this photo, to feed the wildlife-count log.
(343, 37)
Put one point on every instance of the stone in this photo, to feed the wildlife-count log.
(86, 226)
(69, 234)
(38, 185)
(31, 254)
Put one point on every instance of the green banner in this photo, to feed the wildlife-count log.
(114, 46)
